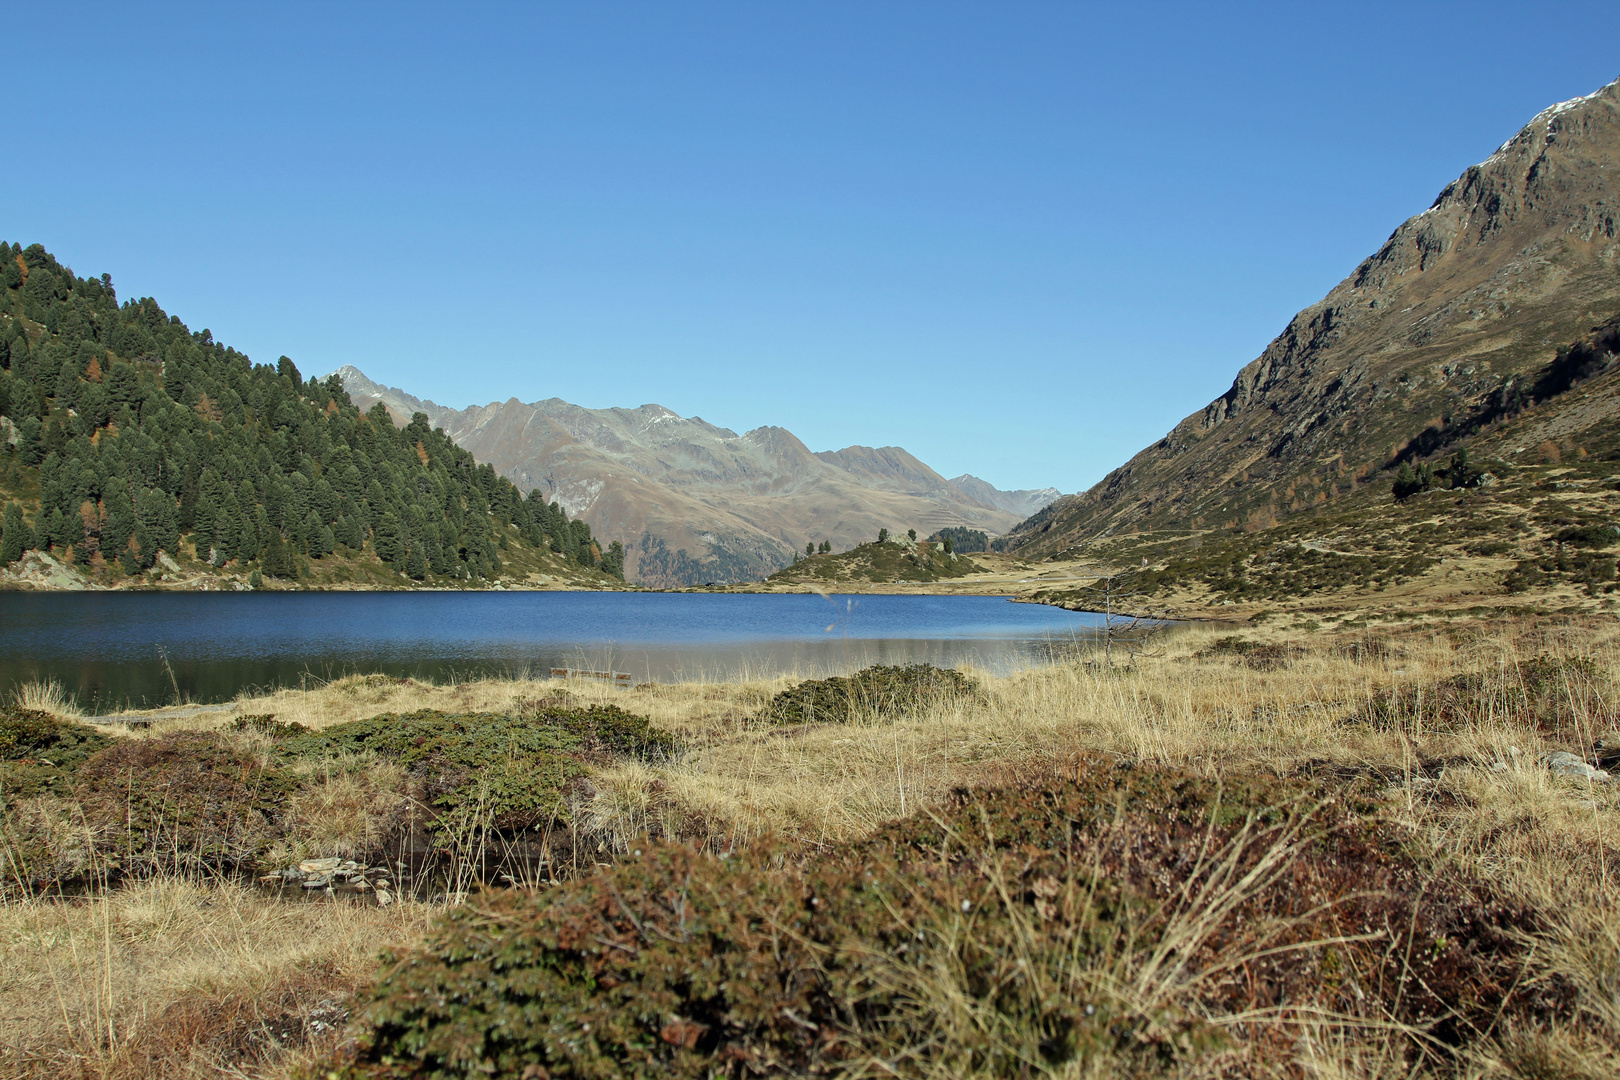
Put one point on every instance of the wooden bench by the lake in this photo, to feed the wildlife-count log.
(617, 678)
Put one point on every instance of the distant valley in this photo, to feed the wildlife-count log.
(695, 503)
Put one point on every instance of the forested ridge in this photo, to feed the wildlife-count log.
(126, 434)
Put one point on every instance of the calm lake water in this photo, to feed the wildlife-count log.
(113, 650)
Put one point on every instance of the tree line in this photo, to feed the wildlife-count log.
(139, 432)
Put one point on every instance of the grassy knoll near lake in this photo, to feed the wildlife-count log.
(1258, 854)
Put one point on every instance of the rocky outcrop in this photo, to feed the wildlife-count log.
(334, 875)
(693, 502)
(39, 570)
(1515, 257)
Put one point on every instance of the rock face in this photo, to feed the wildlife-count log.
(693, 502)
(38, 570)
(1514, 258)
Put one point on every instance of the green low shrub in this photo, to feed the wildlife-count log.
(41, 755)
(875, 691)
(1551, 693)
(267, 725)
(1589, 536)
(182, 799)
(510, 771)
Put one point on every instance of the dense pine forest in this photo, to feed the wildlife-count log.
(124, 435)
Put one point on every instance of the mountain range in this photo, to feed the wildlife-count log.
(696, 503)
(1453, 321)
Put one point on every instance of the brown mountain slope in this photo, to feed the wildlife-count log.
(1516, 257)
(692, 502)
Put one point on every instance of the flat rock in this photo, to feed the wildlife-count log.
(1564, 763)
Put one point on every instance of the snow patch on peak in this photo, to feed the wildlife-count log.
(1547, 115)
(1564, 106)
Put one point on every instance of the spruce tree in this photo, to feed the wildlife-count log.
(277, 560)
(15, 535)
(317, 538)
(388, 540)
(247, 538)
(613, 560)
(70, 533)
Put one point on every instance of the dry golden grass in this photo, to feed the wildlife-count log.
(89, 983)
(48, 696)
(181, 978)
(740, 779)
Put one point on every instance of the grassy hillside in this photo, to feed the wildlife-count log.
(1515, 505)
(136, 451)
(891, 560)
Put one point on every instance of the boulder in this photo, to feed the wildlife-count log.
(1564, 763)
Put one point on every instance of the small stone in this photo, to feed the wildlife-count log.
(319, 866)
(1564, 763)
(384, 898)
(320, 882)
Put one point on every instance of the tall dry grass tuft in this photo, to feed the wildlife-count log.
(47, 696)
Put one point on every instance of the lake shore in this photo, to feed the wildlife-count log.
(1437, 739)
(111, 649)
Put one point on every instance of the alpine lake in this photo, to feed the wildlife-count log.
(121, 650)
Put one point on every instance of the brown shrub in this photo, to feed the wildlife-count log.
(187, 798)
(1137, 917)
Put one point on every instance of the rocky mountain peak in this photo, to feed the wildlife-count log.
(1517, 254)
(691, 501)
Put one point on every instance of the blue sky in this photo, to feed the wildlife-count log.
(1020, 240)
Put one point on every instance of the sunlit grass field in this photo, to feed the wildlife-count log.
(190, 969)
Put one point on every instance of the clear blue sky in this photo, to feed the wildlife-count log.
(1020, 240)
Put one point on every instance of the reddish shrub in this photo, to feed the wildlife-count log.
(1107, 916)
(183, 798)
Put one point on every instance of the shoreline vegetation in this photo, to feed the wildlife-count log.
(1371, 851)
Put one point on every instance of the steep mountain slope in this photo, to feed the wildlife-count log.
(696, 503)
(1461, 305)
(140, 452)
